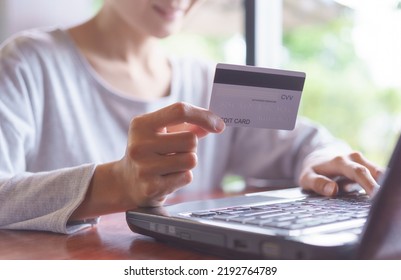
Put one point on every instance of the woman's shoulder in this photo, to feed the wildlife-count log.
(35, 42)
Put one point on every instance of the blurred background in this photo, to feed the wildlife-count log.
(349, 49)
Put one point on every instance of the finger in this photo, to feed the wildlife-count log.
(183, 112)
(361, 175)
(161, 144)
(168, 164)
(180, 142)
(374, 169)
(178, 163)
(198, 131)
(175, 181)
(166, 185)
(343, 166)
(318, 183)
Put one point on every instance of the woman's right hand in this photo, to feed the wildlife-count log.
(161, 151)
(160, 154)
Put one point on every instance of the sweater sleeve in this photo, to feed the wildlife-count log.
(31, 201)
(279, 155)
(44, 200)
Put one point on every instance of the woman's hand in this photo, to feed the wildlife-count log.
(160, 154)
(161, 151)
(320, 174)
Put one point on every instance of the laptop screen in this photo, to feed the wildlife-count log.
(382, 238)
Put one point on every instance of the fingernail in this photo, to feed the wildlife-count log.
(328, 189)
(219, 125)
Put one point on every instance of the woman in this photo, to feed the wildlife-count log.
(97, 119)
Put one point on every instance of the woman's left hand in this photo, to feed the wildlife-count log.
(319, 173)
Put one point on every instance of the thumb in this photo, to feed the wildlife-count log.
(319, 184)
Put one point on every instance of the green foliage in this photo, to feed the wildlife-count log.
(339, 91)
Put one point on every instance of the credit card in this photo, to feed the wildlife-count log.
(249, 96)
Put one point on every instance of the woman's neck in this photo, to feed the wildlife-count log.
(109, 36)
(129, 61)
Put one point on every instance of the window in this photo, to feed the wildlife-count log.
(352, 59)
(215, 30)
(350, 53)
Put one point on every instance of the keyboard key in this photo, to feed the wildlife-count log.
(296, 215)
(203, 214)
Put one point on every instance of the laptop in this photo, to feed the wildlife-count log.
(285, 224)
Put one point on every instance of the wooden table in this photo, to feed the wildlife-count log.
(110, 239)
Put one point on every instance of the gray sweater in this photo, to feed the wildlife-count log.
(58, 119)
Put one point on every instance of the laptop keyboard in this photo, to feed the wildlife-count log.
(294, 215)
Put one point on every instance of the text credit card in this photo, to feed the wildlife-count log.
(249, 96)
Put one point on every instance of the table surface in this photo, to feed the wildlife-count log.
(110, 239)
